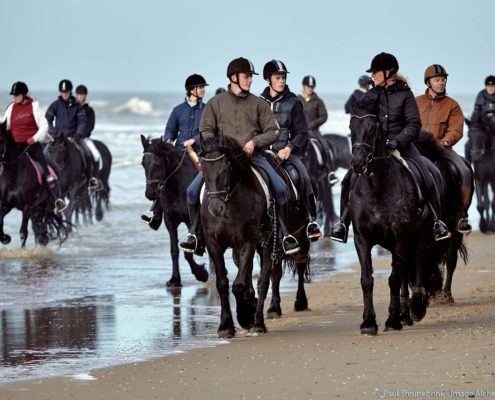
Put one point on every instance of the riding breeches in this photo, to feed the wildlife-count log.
(36, 153)
(464, 171)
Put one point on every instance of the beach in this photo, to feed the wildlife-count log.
(320, 353)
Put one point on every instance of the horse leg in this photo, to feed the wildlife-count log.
(175, 280)
(480, 204)
(425, 259)
(23, 232)
(363, 248)
(275, 311)
(451, 264)
(242, 285)
(405, 303)
(99, 208)
(226, 328)
(198, 270)
(394, 282)
(263, 284)
(4, 210)
(301, 303)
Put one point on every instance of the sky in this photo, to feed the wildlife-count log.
(153, 45)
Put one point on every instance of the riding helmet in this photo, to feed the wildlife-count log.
(19, 88)
(65, 86)
(195, 80)
(81, 89)
(309, 80)
(490, 80)
(220, 90)
(240, 65)
(274, 67)
(383, 62)
(435, 70)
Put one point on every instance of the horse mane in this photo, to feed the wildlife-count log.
(235, 153)
(164, 149)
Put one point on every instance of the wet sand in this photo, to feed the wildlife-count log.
(320, 354)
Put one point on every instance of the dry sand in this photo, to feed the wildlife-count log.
(319, 354)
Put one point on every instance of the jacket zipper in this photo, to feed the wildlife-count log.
(428, 115)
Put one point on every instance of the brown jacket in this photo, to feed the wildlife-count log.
(242, 118)
(442, 116)
(315, 112)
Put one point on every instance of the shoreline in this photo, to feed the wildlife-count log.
(319, 353)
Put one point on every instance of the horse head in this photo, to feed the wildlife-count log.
(481, 142)
(224, 163)
(154, 167)
(56, 151)
(365, 134)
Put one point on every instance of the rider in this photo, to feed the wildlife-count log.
(396, 108)
(442, 116)
(183, 129)
(485, 101)
(248, 119)
(293, 138)
(316, 115)
(29, 128)
(220, 90)
(92, 153)
(364, 83)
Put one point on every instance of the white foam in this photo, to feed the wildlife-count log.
(84, 376)
(135, 105)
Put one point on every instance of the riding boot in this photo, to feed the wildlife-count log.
(195, 241)
(155, 221)
(440, 230)
(463, 225)
(290, 245)
(329, 163)
(313, 231)
(55, 192)
(340, 230)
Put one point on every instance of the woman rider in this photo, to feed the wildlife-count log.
(393, 102)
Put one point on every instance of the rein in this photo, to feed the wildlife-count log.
(4, 153)
(161, 182)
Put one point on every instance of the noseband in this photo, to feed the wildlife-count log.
(225, 194)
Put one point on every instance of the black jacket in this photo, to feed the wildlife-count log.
(90, 120)
(398, 112)
(355, 97)
(288, 111)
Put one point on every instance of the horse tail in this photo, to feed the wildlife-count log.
(463, 252)
(291, 265)
(49, 226)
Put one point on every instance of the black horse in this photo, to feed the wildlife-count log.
(386, 210)
(20, 188)
(74, 179)
(235, 214)
(341, 149)
(101, 194)
(168, 174)
(453, 210)
(482, 154)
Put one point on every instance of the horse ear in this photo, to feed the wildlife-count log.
(144, 142)
(467, 121)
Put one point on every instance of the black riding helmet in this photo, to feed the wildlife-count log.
(309, 80)
(240, 65)
(19, 88)
(383, 62)
(194, 80)
(490, 80)
(65, 86)
(81, 89)
(274, 67)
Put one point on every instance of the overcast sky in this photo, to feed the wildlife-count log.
(152, 45)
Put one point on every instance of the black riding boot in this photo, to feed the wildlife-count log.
(195, 241)
(312, 229)
(290, 245)
(155, 221)
(463, 225)
(56, 193)
(340, 230)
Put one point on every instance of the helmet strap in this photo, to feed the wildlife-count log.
(270, 84)
(244, 92)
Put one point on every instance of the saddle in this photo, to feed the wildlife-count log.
(40, 173)
(288, 173)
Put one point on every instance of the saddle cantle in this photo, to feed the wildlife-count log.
(291, 178)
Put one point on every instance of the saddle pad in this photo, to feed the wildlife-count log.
(274, 161)
(414, 174)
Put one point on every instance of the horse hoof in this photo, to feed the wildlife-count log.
(419, 303)
(174, 283)
(5, 239)
(392, 324)
(444, 298)
(99, 216)
(273, 315)
(201, 274)
(228, 333)
(406, 320)
(259, 329)
(301, 305)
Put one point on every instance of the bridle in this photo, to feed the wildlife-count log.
(365, 147)
(226, 193)
(163, 179)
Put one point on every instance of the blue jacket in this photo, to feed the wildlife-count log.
(70, 117)
(183, 124)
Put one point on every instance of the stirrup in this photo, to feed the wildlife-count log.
(445, 236)
(60, 205)
(290, 251)
(185, 249)
(336, 238)
(94, 183)
(145, 219)
(464, 231)
(332, 179)
(315, 236)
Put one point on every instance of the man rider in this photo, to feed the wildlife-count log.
(27, 123)
(182, 130)
(248, 119)
(316, 115)
(442, 116)
(293, 138)
(364, 83)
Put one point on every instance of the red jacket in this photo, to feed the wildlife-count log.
(22, 123)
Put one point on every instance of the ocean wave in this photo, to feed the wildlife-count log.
(136, 106)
